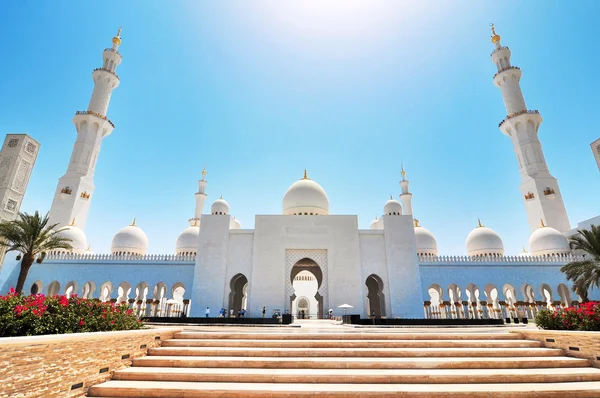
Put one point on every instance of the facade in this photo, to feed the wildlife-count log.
(305, 258)
(596, 151)
(17, 158)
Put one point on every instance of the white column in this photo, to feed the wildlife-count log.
(75, 189)
(539, 189)
(405, 196)
(200, 199)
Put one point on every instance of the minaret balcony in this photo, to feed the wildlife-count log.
(113, 50)
(526, 111)
(95, 114)
(498, 49)
(505, 69)
(108, 71)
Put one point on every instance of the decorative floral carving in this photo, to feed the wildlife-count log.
(13, 142)
(11, 205)
(21, 176)
(30, 147)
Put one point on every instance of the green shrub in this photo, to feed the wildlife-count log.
(38, 314)
(584, 317)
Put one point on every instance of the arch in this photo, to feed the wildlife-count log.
(303, 307)
(105, 291)
(53, 288)
(159, 291)
(309, 265)
(528, 293)
(436, 294)
(565, 294)
(141, 291)
(71, 289)
(87, 291)
(36, 287)
(238, 299)
(123, 292)
(546, 293)
(375, 296)
(510, 293)
(472, 292)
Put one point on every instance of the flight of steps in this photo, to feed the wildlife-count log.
(361, 364)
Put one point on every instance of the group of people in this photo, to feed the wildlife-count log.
(223, 313)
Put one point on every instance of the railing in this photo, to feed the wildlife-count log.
(112, 50)
(489, 310)
(498, 260)
(66, 256)
(498, 49)
(505, 69)
(531, 112)
(107, 70)
(95, 114)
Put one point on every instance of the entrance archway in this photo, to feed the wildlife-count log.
(375, 296)
(306, 266)
(237, 295)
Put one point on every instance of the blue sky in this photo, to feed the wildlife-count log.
(260, 90)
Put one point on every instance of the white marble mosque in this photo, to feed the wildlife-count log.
(306, 258)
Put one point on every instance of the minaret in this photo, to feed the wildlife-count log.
(539, 188)
(200, 198)
(75, 189)
(405, 196)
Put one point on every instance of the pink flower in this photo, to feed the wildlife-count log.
(81, 322)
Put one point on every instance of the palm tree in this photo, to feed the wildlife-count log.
(31, 236)
(585, 274)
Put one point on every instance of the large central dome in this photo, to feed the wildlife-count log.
(305, 197)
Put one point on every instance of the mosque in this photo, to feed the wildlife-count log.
(307, 260)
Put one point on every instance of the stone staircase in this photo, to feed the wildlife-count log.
(352, 364)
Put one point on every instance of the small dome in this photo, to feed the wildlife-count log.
(130, 240)
(524, 253)
(235, 224)
(187, 242)
(426, 243)
(392, 208)
(546, 241)
(77, 237)
(484, 241)
(376, 224)
(306, 197)
(220, 207)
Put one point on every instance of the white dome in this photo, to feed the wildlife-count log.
(484, 241)
(376, 224)
(305, 197)
(426, 243)
(235, 224)
(130, 240)
(548, 241)
(77, 237)
(220, 206)
(187, 242)
(392, 208)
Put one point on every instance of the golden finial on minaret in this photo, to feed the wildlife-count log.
(416, 223)
(73, 223)
(495, 37)
(542, 222)
(195, 222)
(133, 223)
(117, 39)
(305, 175)
(89, 248)
(221, 197)
(524, 251)
(204, 172)
(479, 223)
(402, 172)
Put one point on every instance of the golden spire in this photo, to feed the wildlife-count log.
(417, 223)
(133, 223)
(402, 172)
(221, 197)
(391, 197)
(479, 223)
(495, 37)
(89, 248)
(524, 251)
(542, 222)
(73, 223)
(305, 176)
(195, 222)
(204, 172)
(117, 39)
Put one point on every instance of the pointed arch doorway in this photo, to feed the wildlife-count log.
(238, 298)
(375, 296)
(313, 262)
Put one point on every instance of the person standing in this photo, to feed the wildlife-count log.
(264, 311)
(207, 312)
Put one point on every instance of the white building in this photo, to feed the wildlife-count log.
(596, 151)
(306, 258)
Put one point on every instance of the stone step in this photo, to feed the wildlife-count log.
(142, 389)
(361, 376)
(360, 363)
(354, 352)
(293, 335)
(350, 343)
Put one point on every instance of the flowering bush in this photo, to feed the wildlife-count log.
(584, 317)
(39, 314)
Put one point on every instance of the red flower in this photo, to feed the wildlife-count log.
(81, 322)
(63, 301)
